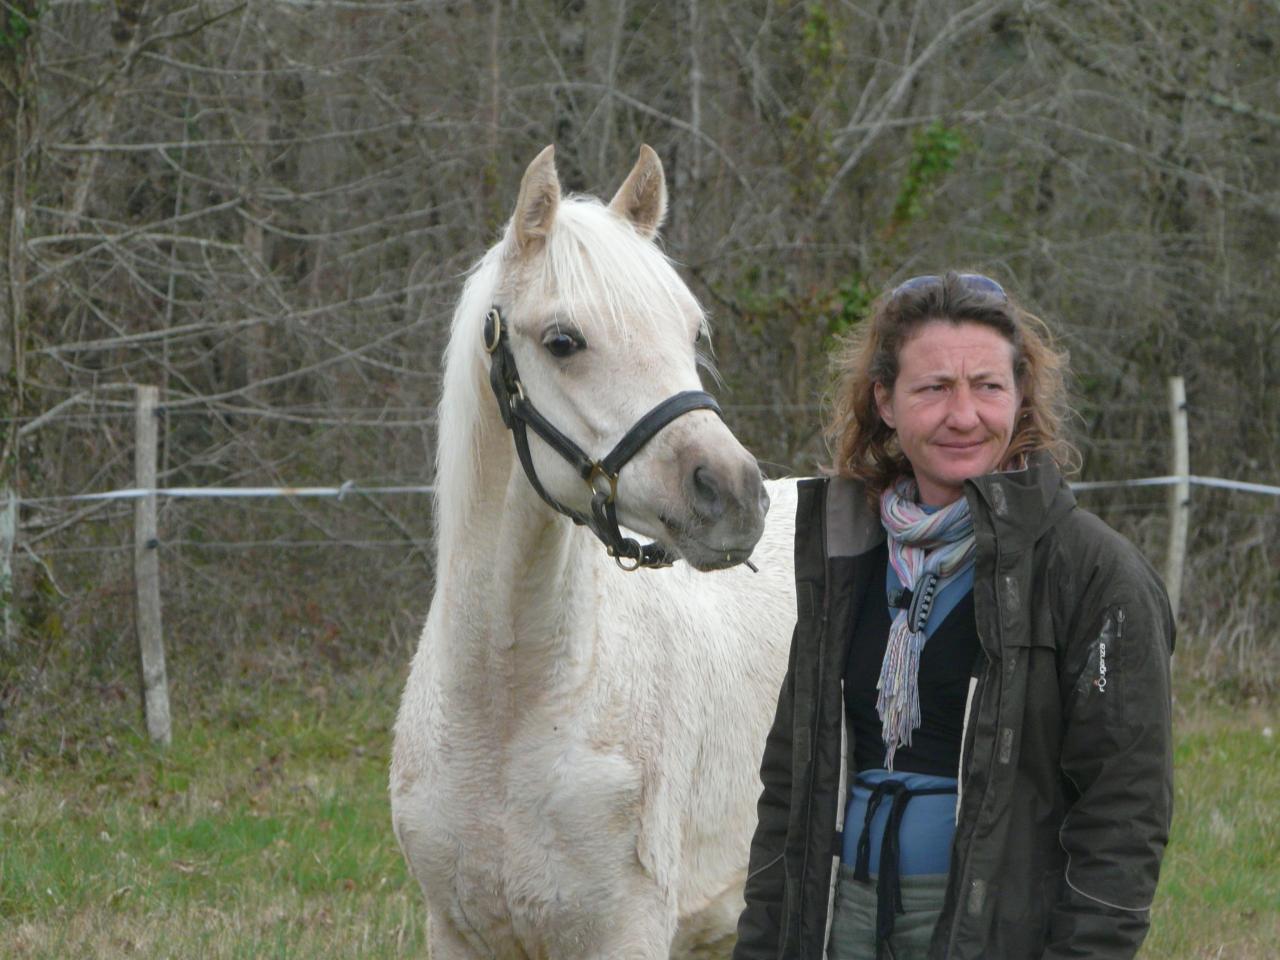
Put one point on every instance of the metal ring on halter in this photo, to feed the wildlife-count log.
(515, 398)
(636, 562)
(492, 330)
(598, 471)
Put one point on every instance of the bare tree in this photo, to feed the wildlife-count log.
(266, 207)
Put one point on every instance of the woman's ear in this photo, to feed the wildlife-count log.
(884, 405)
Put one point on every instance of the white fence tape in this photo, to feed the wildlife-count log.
(198, 493)
(349, 487)
(1170, 481)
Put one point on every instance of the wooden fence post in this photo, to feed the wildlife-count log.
(146, 567)
(1179, 494)
(8, 537)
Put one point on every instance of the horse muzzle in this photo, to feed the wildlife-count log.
(725, 507)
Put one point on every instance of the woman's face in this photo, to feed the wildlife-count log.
(953, 405)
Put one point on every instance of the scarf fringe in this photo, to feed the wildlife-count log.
(941, 543)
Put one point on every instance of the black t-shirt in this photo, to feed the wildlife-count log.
(947, 662)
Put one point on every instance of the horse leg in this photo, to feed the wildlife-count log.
(710, 933)
(643, 933)
(446, 941)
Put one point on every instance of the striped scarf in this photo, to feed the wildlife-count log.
(926, 550)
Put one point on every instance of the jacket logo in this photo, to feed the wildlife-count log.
(1108, 641)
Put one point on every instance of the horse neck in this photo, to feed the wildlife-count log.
(511, 573)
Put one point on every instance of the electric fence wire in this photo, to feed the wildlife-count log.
(349, 488)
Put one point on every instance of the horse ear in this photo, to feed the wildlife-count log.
(642, 198)
(538, 200)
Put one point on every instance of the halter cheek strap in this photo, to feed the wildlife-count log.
(519, 415)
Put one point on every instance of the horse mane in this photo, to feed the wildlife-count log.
(601, 270)
(458, 419)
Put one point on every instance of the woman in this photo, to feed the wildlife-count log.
(994, 659)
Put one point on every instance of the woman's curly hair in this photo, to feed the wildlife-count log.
(864, 447)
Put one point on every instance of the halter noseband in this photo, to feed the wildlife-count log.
(601, 476)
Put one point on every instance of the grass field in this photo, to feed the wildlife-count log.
(264, 832)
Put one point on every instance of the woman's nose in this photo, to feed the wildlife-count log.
(962, 412)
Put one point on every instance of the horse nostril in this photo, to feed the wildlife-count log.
(705, 494)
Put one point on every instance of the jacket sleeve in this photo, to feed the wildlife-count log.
(760, 926)
(1117, 754)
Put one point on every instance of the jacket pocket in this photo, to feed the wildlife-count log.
(1023, 623)
(1099, 685)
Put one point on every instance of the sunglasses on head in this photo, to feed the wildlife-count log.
(976, 282)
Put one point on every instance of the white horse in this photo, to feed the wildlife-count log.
(574, 772)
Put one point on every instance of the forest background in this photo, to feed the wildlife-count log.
(266, 208)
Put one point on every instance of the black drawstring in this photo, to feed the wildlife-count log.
(888, 880)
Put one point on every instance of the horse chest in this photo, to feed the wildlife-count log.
(548, 797)
(536, 834)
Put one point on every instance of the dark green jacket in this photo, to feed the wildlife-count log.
(1066, 787)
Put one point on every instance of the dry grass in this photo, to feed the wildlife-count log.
(266, 923)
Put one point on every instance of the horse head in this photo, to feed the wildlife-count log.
(602, 330)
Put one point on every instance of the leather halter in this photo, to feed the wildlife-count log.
(519, 415)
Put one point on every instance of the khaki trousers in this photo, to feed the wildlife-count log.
(853, 924)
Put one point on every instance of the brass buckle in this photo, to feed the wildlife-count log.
(492, 321)
(598, 471)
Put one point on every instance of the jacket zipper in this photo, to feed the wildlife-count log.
(961, 906)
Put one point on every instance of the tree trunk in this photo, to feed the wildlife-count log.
(17, 120)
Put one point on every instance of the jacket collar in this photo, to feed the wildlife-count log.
(1020, 504)
(852, 523)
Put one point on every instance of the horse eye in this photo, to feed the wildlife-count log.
(560, 344)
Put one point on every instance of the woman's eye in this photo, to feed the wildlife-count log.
(560, 344)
